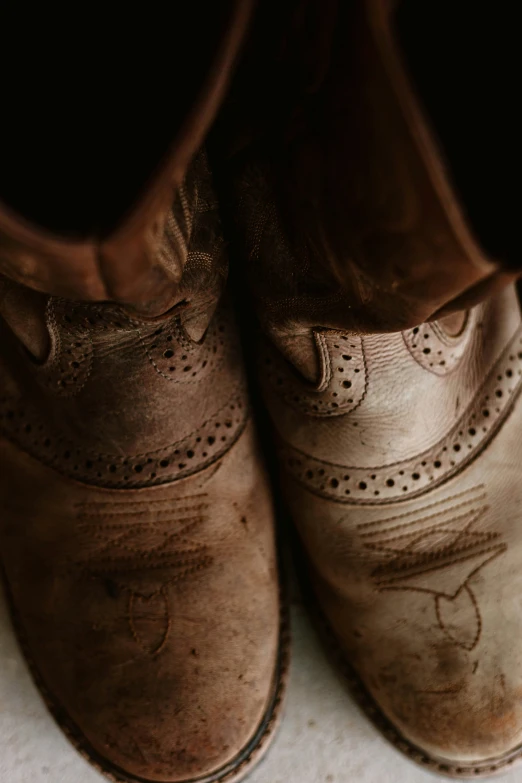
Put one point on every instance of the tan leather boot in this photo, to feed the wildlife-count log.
(401, 472)
(136, 530)
(399, 441)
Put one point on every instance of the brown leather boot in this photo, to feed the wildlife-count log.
(136, 530)
(399, 441)
(401, 472)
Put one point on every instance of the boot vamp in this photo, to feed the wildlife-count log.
(405, 490)
(150, 616)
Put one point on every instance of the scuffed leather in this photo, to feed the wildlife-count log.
(151, 615)
(136, 532)
(121, 400)
(388, 417)
(408, 508)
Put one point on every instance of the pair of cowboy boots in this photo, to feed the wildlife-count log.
(137, 528)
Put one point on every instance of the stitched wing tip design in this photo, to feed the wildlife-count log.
(459, 617)
(141, 549)
(197, 451)
(435, 350)
(380, 484)
(344, 381)
(70, 362)
(149, 620)
(437, 549)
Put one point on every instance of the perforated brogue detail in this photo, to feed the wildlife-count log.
(343, 383)
(436, 350)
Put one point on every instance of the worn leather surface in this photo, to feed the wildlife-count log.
(389, 417)
(136, 532)
(401, 472)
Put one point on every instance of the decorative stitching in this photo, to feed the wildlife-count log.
(437, 351)
(326, 364)
(147, 503)
(232, 772)
(185, 368)
(343, 382)
(197, 451)
(72, 326)
(414, 522)
(159, 511)
(412, 559)
(413, 477)
(134, 556)
(436, 567)
(404, 515)
(69, 364)
(366, 701)
(135, 633)
(469, 646)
